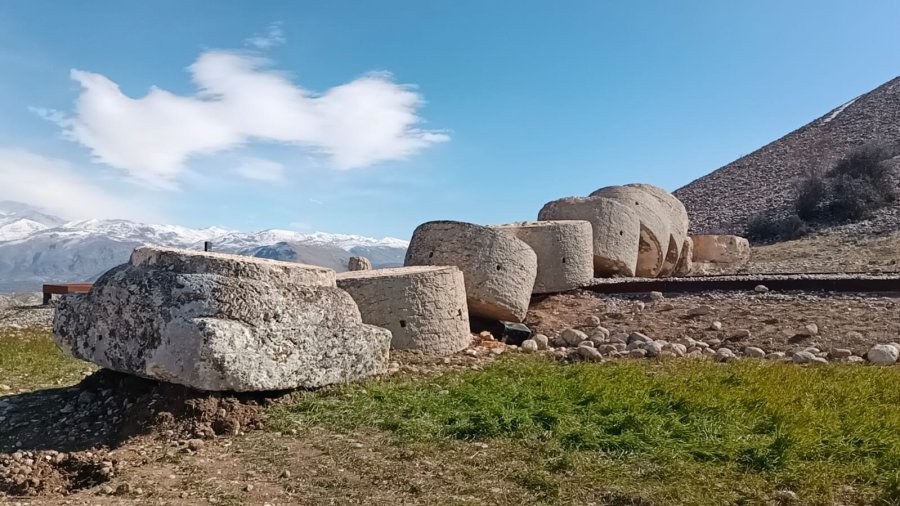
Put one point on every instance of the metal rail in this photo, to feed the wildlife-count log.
(780, 282)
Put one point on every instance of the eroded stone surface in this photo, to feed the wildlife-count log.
(616, 231)
(423, 307)
(564, 252)
(678, 220)
(714, 254)
(685, 263)
(221, 322)
(359, 264)
(655, 226)
(499, 270)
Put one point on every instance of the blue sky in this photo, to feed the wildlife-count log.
(372, 117)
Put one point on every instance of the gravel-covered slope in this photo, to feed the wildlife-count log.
(765, 180)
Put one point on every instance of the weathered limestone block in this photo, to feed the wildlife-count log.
(616, 231)
(221, 322)
(655, 226)
(685, 261)
(359, 264)
(423, 307)
(721, 249)
(679, 222)
(183, 261)
(499, 270)
(565, 252)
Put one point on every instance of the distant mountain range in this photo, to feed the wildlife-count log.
(36, 247)
(765, 181)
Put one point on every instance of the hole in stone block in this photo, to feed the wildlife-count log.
(498, 267)
(403, 324)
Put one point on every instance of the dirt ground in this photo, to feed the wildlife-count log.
(833, 251)
(853, 321)
(113, 439)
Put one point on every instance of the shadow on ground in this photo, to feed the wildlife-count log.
(107, 408)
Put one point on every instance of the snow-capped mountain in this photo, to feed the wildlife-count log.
(20, 220)
(36, 247)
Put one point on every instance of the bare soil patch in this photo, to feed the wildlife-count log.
(830, 251)
(853, 321)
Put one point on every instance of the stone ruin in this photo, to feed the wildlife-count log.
(639, 229)
(564, 252)
(221, 322)
(224, 322)
(423, 307)
(499, 269)
(719, 254)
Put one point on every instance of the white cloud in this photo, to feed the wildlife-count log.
(273, 36)
(239, 100)
(261, 170)
(55, 186)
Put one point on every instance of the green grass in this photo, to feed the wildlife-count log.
(29, 359)
(678, 432)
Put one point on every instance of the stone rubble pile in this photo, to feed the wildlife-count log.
(595, 343)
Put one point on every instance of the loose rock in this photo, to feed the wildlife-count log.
(754, 352)
(573, 337)
(882, 354)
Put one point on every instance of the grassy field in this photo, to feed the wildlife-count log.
(681, 432)
(528, 430)
(29, 359)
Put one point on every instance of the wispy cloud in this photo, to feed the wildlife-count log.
(241, 99)
(56, 186)
(273, 36)
(260, 169)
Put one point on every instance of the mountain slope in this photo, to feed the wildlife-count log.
(20, 220)
(35, 252)
(764, 181)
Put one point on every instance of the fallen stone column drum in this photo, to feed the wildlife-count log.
(221, 322)
(616, 231)
(679, 224)
(655, 226)
(423, 307)
(565, 252)
(499, 270)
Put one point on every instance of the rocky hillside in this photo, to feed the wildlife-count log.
(37, 247)
(765, 181)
